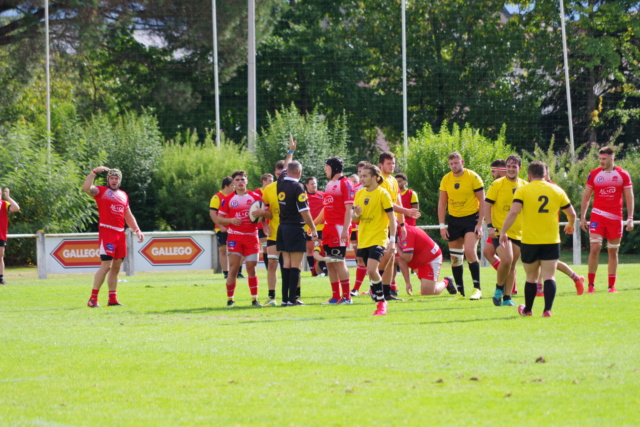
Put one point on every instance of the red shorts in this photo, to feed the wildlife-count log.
(331, 236)
(112, 243)
(605, 227)
(489, 241)
(430, 270)
(243, 244)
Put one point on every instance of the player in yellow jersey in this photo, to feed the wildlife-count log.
(498, 170)
(270, 199)
(539, 203)
(498, 202)
(373, 211)
(462, 194)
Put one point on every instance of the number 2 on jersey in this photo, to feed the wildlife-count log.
(544, 200)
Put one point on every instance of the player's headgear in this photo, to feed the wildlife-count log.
(115, 172)
(336, 164)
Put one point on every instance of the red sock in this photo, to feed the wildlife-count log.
(335, 289)
(113, 297)
(496, 264)
(346, 287)
(394, 286)
(94, 294)
(612, 280)
(253, 286)
(574, 276)
(592, 279)
(361, 273)
(231, 288)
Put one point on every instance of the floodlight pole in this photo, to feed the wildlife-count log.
(251, 84)
(48, 76)
(214, 18)
(405, 126)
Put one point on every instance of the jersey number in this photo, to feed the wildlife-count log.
(544, 200)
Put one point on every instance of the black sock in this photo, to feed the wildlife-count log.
(272, 294)
(474, 269)
(377, 292)
(323, 267)
(310, 261)
(458, 274)
(549, 294)
(294, 278)
(530, 291)
(240, 271)
(226, 273)
(506, 298)
(265, 259)
(386, 291)
(285, 284)
(500, 288)
(298, 293)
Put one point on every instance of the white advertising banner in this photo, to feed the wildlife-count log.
(160, 253)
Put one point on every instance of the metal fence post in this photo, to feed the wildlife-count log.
(41, 256)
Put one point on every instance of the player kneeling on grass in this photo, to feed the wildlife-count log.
(539, 203)
(373, 211)
(242, 239)
(424, 256)
(113, 210)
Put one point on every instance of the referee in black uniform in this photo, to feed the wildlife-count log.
(294, 213)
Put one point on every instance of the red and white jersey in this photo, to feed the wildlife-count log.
(316, 203)
(4, 219)
(338, 196)
(111, 207)
(237, 206)
(608, 188)
(423, 247)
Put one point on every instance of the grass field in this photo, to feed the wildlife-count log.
(175, 356)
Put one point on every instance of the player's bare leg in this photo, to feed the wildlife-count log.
(613, 245)
(578, 280)
(595, 247)
(387, 266)
(504, 273)
(273, 256)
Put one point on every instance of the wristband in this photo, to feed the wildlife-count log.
(137, 229)
(290, 152)
(94, 172)
(630, 218)
(392, 238)
(490, 225)
(402, 224)
(443, 226)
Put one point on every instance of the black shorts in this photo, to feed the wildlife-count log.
(308, 236)
(354, 235)
(459, 226)
(291, 238)
(271, 242)
(3, 243)
(496, 242)
(222, 238)
(533, 253)
(373, 252)
(261, 234)
(337, 252)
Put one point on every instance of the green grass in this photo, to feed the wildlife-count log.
(174, 355)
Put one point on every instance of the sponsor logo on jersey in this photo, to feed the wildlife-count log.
(234, 203)
(608, 190)
(110, 246)
(366, 201)
(456, 185)
(600, 179)
(302, 197)
(281, 196)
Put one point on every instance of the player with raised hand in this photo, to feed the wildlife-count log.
(113, 212)
(607, 184)
(242, 240)
(7, 204)
(373, 211)
(539, 203)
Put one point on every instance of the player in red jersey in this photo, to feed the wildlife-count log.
(113, 211)
(7, 205)
(242, 239)
(425, 257)
(607, 184)
(315, 199)
(336, 215)
(265, 179)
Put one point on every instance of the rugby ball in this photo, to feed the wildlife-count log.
(255, 206)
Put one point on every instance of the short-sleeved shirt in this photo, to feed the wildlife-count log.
(373, 229)
(541, 201)
(500, 195)
(316, 203)
(270, 198)
(237, 206)
(292, 199)
(608, 188)
(423, 247)
(111, 207)
(409, 198)
(4, 219)
(391, 185)
(258, 191)
(215, 203)
(338, 197)
(461, 192)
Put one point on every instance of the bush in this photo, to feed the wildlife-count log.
(190, 173)
(317, 141)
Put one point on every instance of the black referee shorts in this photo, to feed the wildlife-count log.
(222, 238)
(532, 253)
(459, 226)
(373, 252)
(291, 238)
